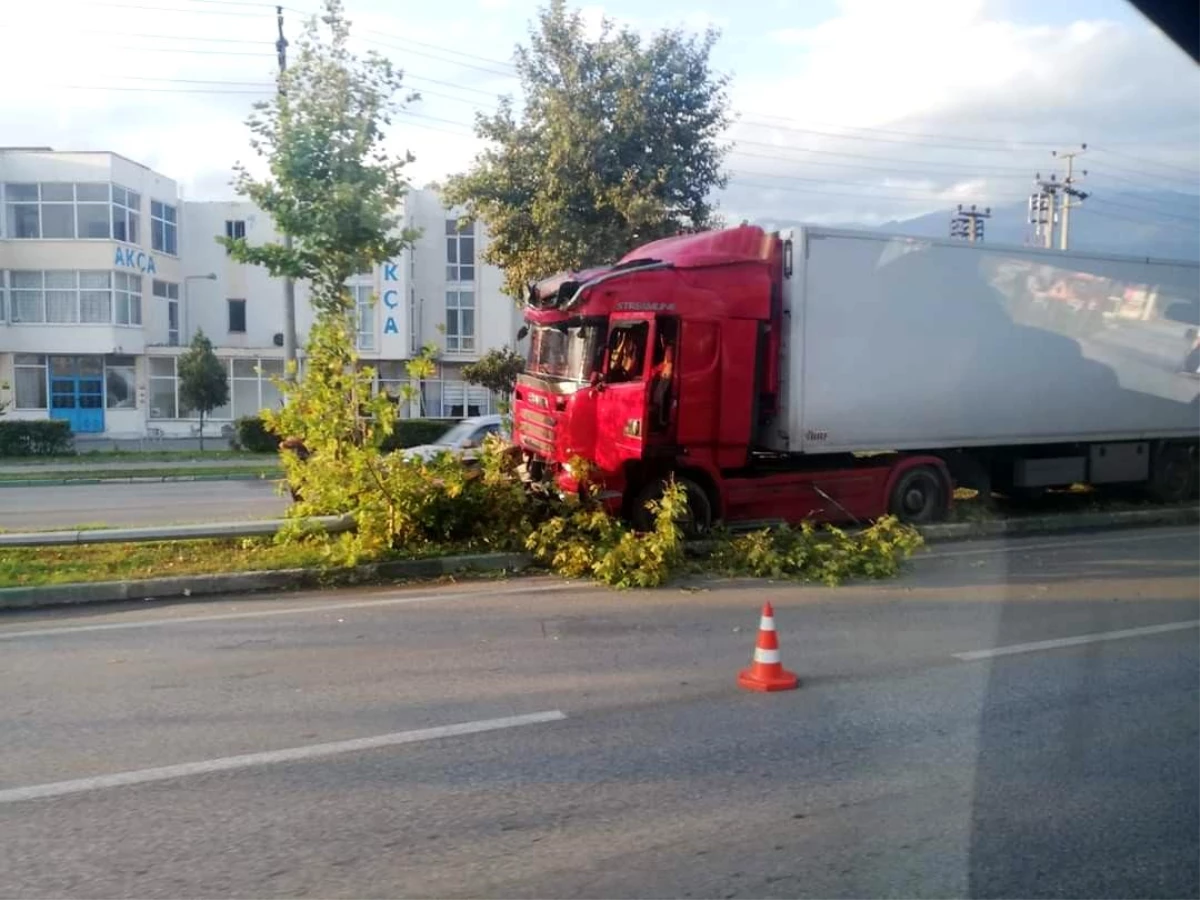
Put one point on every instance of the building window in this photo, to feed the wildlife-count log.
(95, 296)
(163, 228)
(162, 388)
(126, 215)
(58, 210)
(93, 212)
(364, 315)
(169, 291)
(250, 389)
(127, 296)
(70, 297)
(460, 250)
(120, 382)
(237, 316)
(29, 372)
(21, 216)
(460, 321)
(28, 297)
(235, 228)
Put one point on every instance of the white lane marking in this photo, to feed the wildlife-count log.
(287, 611)
(270, 757)
(1061, 545)
(1034, 646)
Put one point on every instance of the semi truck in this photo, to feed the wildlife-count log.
(838, 375)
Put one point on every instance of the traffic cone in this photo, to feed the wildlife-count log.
(767, 673)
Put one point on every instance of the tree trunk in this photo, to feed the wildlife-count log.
(201, 431)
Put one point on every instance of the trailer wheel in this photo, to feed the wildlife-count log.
(919, 496)
(694, 524)
(1173, 475)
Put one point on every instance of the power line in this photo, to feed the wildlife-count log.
(207, 12)
(1148, 162)
(885, 140)
(171, 37)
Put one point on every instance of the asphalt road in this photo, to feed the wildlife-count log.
(606, 751)
(134, 504)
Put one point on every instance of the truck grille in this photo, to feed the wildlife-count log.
(535, 430)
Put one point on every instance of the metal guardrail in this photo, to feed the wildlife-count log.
(207, 530)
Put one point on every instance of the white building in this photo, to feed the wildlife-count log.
(105, 276)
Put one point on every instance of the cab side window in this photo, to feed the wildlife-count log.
(627, 352)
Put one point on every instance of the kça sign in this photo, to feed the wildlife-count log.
(392, 305)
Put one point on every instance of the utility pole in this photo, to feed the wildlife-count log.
(289, 285)
(1047, 211)
(968, 224)
(1069, 191)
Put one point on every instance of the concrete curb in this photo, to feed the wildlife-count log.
(294, 579)
(139, 479)
(192, 586)
(1061, 522)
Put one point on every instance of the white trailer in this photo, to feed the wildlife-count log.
(899, 343)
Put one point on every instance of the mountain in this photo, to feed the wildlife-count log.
(1151, 223)
(1163, 224)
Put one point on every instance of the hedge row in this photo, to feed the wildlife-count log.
(253, 435)
(36, 438)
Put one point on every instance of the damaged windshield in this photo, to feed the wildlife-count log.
(567, 351)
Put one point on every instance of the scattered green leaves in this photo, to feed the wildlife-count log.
(828, 555)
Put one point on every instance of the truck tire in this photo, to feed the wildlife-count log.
(696, 524)
(1173, 474)
(919, 496)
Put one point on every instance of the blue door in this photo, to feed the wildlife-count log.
(77, 392)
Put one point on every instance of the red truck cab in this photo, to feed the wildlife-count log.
(666, 364)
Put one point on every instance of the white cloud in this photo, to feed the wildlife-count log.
(929, 67)
(839, 112)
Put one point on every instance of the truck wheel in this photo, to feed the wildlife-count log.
(1173, 476)
(919, 496)
(695, 524)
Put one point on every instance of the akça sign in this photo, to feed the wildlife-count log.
(128, 258)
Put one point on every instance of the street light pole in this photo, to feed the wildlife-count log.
(186, 325)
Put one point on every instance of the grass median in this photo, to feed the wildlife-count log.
(84, 474)
(89, 563)
(100, 457)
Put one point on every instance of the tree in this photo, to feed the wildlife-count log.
(496, 370)
(203, 380)
(420, 369)
(335, 190)
(618, 142)
(333, 186)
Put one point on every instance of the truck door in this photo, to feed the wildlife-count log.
(623, 396)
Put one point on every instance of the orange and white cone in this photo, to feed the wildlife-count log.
(767, 673)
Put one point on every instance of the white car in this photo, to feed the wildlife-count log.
(462, 439)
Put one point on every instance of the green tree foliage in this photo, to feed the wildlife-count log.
(496, 370)
(829, 555)
(618, 142)
(420, 369)
(203, 379)
(396, 502)
(333, 186)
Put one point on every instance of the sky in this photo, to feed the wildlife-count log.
(861, 111)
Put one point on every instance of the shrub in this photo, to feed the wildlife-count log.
(252, 434)
(35, 438)
(828, 555)
(587, 542)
